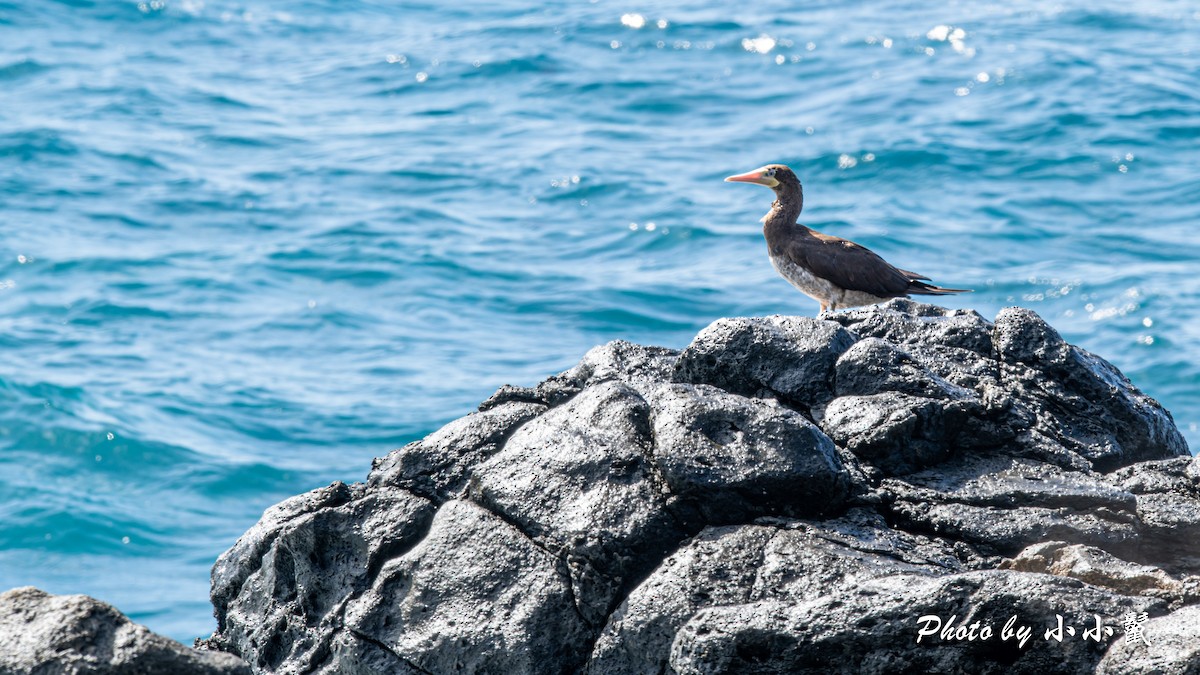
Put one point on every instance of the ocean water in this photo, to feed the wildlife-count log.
(245, 247)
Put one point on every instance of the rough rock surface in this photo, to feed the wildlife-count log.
(43, 634)
(900, 488)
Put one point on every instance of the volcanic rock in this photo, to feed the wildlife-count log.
(899, 488)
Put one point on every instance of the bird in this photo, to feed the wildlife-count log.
(835, 272)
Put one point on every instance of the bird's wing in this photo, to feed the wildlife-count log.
(847, 264)
(913, 275)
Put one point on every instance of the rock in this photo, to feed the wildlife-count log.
(1096, 567)
(924, 328)
(280, 592)
(788, 560)
(439, 466)
(1078, 399)
(616, 361)
(873, 628)
(1000, 505)
(954, 345)
(874, 365)
(899, 433)
(789, 357)
(458, 601)
(784, 495)
(44, 634)
(1165, 645)
(1019, 388)
(622, 361)
(737, 458)
(579, 482)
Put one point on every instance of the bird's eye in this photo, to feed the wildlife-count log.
(770, 173)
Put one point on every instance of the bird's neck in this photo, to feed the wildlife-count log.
(784, 212)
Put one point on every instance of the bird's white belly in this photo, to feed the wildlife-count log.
(806, 282)
(820, 289)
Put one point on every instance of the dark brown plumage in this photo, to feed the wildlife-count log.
(835, 272)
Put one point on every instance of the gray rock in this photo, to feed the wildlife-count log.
(873, 628)
(899, 433)
(874, 365)
(280, 591)
(784, 495)
(1179, 475)
(476, 595)
(1170, 532)
(438, 466)
(1098, 568)
(579, 482)
(1015, 386)
(737, 458)
(715, 568)
(1000, 505)
(623, 361)
(911, 324)
(955, 345)
(43, 634)
(789, 357)
(783, 561)
(1164, 645)
(1078, 399)
(618, 360)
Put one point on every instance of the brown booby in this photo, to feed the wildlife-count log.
(835, 272)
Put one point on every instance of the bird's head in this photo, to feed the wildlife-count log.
(775, 176)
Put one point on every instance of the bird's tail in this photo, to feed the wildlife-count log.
(922, 288)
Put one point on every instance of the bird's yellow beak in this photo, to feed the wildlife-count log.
(758, 176)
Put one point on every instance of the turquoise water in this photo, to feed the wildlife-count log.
(245, 248)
